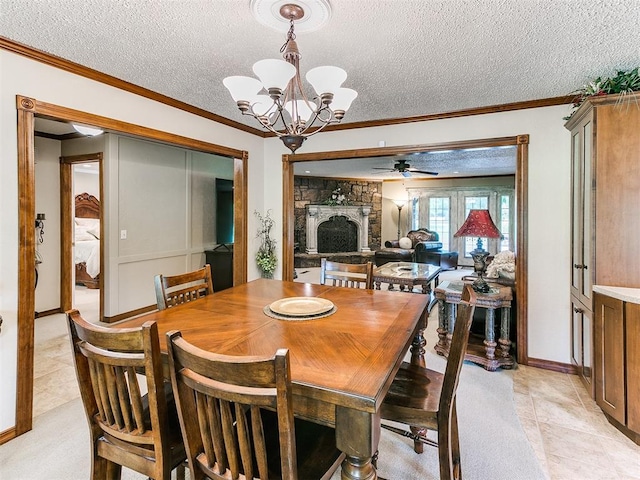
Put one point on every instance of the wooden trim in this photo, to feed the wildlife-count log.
(66, 227)
(7, 435)
(522, 254)
(288, 217)
(27, 108)
(52, 311)
(505, 107)
(26, 266)
(132, 313)
(77, 69)
(521, 182)
(66, 235)
(240, 203)
(554, 366)
(116, 126)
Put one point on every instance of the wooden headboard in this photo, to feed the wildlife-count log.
(87, 206)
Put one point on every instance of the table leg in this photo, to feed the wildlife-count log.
(505, 326)
(451, 315)
(489, 333)
(377, 283)
(357, 435)
(442, 326)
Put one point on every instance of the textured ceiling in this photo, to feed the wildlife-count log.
(404, 57)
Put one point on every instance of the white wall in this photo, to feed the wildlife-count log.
(21, 76)
(47, 173)
(548, 203)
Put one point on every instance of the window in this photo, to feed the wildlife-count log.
(439, 219)
(505, 222)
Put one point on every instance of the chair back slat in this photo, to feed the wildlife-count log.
(126, 427)
(346, 274)
(178, 289)
(219, 399)
(459, 341)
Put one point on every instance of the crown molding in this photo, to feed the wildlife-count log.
(75, 68)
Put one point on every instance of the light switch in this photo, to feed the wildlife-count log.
(123, 234)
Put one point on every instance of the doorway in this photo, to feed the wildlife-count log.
(27, 109)
(521, 142)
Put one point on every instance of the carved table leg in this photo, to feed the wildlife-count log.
(489, 334)
(377, 283)
(451, 315)
(357, 435)
(505, 326)
(418, 358)
(442, 327)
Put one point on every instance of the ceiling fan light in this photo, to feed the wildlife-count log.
(273, 73)
(342, 99)
(326, 79)
(242, 88)
(89, 131)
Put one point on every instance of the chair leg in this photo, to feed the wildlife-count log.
(455, 444)
(114, 471)
(418, 446)
(444, 449)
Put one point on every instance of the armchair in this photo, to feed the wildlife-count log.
(425, 238)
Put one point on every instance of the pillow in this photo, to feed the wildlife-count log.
(405, 242)
(88, 222)
(95, 232)
(82, 234)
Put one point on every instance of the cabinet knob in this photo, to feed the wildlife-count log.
(578, 310)
(579, 267)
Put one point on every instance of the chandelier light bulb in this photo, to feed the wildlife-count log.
(273, 73)
(326, 79)
(342, 99)
(302, 111)
(242, 88)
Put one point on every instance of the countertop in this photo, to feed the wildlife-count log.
(631, 295)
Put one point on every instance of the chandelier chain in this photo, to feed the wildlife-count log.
(291, 35)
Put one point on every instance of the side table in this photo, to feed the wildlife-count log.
(484, 353)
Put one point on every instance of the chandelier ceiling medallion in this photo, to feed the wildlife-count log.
(286, 110)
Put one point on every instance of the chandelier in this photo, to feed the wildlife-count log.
(286, 110)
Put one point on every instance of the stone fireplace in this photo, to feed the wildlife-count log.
(348, 216)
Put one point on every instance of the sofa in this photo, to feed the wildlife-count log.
(425, 238)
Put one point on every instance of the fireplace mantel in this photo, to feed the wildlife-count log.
(317, 214)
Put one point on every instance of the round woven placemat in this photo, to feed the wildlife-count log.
(292, 318)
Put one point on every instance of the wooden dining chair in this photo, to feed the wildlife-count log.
(177, 289)
(127, 428)
(426, 399)
(346, 274)
(237, 421)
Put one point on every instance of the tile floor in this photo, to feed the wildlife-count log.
(567, 430)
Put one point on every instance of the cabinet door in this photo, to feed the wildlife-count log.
(632, 324)
(582, 210)
(609, 356)
(576, 333)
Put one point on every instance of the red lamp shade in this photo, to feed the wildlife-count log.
(478, 224)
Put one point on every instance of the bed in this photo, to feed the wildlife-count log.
(87, 240)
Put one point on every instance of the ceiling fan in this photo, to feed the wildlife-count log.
(402, 167)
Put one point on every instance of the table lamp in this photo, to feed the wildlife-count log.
(479, 224)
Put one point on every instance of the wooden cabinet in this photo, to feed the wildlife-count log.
(617, 362)
(605, 225)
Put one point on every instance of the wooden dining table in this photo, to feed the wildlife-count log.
(341, 365)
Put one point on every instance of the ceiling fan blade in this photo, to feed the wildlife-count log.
(406, 173)
(422, 171)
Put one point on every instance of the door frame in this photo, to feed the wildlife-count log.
(27, 109)
(521, 142)
(66, 227)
